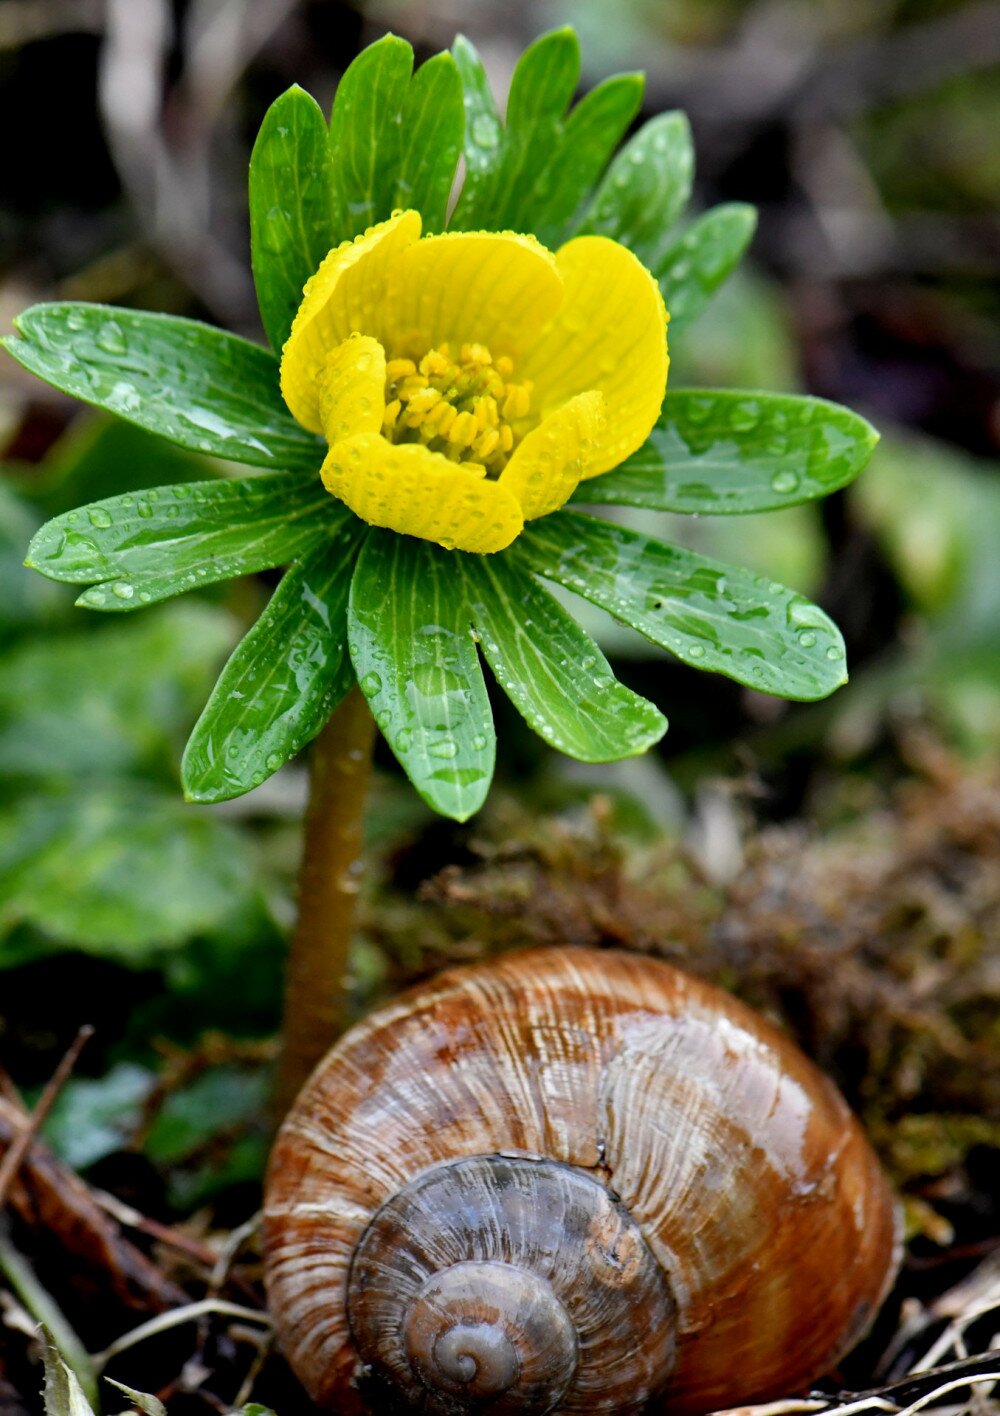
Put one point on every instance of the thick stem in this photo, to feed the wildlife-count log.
(329, 879)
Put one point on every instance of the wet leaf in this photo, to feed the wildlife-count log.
(590, 134)
(291, 207)
(693, 267)
(483, 143)
(730, 452)
(710, 615)
(189, 382)
(433, 124)
(147, 546)
(646, 188)
(552, 671)
(283, 680)
(394, 140)
(503, 161)
(416, 662)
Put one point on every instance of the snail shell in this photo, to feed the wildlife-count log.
(570, 1180)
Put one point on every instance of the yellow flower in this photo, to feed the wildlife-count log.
(467, 382)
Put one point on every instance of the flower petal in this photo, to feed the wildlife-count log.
(548, 464)
(407, 488)
(476, 287)
(610, 335)
(352, 388)
(349, 293)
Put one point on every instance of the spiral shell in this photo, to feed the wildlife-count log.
(446, 1193)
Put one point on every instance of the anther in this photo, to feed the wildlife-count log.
(463, 430)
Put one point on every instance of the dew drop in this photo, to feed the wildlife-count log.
(807, 639)
(99, 517)
(785, 482)
(745, 416)
(272, 761)
(370, 684)
(444, 747)
(122, 589)
(111, 338)
(484, 132)
(834, 652)
(479, 742)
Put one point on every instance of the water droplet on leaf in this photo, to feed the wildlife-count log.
(111, 338)
(784, 482)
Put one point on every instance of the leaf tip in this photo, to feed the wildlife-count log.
(463, 49)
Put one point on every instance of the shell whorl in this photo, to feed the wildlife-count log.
(734, 1158)
(512, 1283)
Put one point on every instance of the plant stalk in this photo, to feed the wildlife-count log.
(329, 880)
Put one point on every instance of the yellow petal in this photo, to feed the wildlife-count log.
(549, 463)
(472, 287)
(349, 293)
(352, 388)
(410, 489)
(610, 335)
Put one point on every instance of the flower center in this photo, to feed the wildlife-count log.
(466, 406)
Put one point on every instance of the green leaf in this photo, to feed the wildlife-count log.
(188, 382)
(692, 268)
(122, 873)
(483, 145)
(92, 1119)
(283, 680)
(729, 452)
(291, 207)
(646, 188)
(433, 125)
(116, 700)
(366, 134)
(147, 546)
(504, 162)
(395, 141)
(413, 651)
(710, 615)
(552, 671)
(193, 1116)
(590, 135)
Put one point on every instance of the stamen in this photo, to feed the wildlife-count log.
(463, 430)
(466, 407)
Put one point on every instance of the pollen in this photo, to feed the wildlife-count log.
(462, 403)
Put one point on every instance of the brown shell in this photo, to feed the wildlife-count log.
(740, 1162)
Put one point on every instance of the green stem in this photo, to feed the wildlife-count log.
(329, 879)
